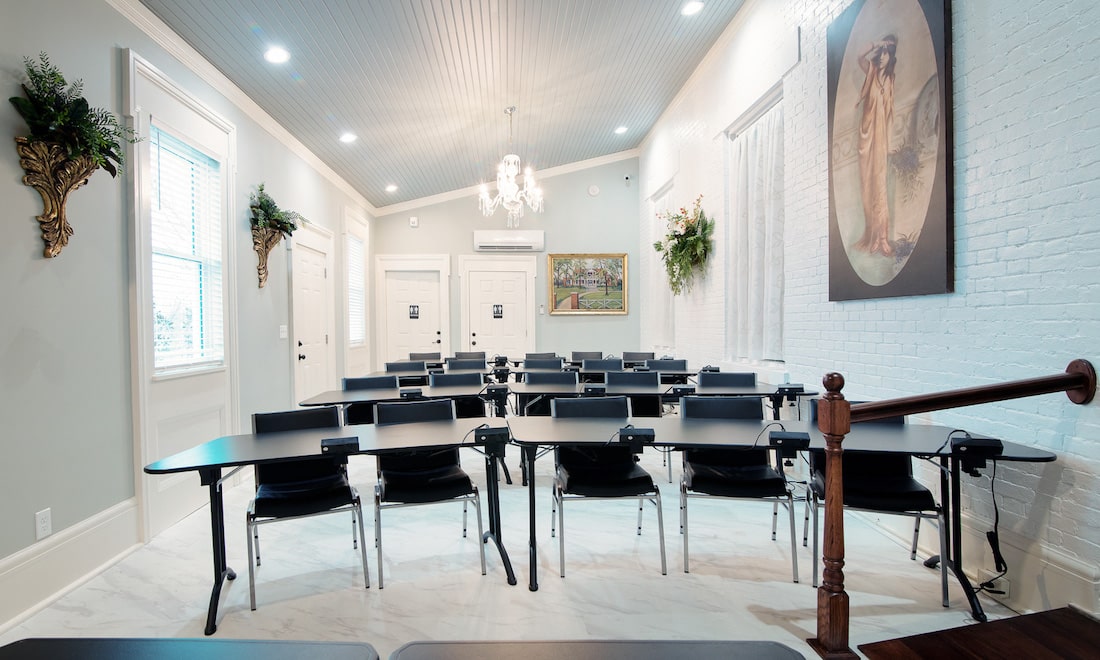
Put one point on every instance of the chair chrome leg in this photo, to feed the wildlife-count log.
(661, 528)
(817, 557)
(641, 503)
(794, 537)
(684, 521)
(378, 533)
(358, 513)
(480, 530)
(561, 532)
(249, 529)
(806, 519)
(464, 502)
(354, 540)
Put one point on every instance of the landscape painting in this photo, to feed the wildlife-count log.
(587, 283)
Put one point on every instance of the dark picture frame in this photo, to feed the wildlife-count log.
(587, 283)
(891, 205)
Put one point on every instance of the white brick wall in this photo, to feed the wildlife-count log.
(1027, 248)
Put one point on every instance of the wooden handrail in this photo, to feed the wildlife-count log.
(835, 416)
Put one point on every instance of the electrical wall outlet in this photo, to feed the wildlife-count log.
(43, 524)
(999, 583)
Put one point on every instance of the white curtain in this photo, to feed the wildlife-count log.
(755, 245)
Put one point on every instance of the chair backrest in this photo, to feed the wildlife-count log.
(370, 383)
(859, 465)
(667, 365)
(452, 364)
(632, 378)
(636, 357)
(540, 356)
(297, 420)
(410, 365)
(543, 363)
(426, 357)
(551, 378)
(609, 364)
(404, 412)
(603, 406)
(455, 380)
(577, 356)
(470, 355)
(723, 407)
(726, 379)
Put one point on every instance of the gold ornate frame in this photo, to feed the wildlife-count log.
(582, 284)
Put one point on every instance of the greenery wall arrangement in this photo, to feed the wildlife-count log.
(686, 246)
(68, 142)
(269, 224)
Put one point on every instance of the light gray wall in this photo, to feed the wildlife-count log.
(574, 221)
(65, 390)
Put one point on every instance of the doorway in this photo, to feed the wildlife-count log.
(498, 304)
(412, 292)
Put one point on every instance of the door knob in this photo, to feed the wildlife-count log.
(301, 357)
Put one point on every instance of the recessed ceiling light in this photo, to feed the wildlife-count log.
(348, 138)
(620, 130)
(276, 55)
(691, 8)
(391, 188)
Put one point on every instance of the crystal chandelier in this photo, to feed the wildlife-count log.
(509, 194)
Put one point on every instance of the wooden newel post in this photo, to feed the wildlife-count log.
(834, 421)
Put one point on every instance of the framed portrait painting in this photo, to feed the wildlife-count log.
(587, 283)
(890, 162)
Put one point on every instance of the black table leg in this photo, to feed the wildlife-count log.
(222, 572)
(955, 544)
(494, 454)
(529, 461)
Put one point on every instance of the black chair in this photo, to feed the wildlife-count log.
(421, 476)
(669, 364)
(878, 482)
(470, 355)
(540, 405)
(593, 370)
(543, 363)
(540, 356)
(734, 473)
(465, 364)
(607, 470)
(300, 488)
(641, 405)
(426, 357)
(580, 356)
(465, 406)
(363, 412)
(726, 379)
(405, 367)
(635, 359)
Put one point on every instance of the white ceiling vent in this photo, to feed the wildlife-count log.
(509, 240)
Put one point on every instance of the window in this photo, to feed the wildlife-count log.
(357, 293)
(186, 236)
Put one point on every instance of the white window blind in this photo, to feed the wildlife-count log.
(186, 234)
(357, 294)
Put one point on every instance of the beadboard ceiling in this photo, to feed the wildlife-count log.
(424, 83)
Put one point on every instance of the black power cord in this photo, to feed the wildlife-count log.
(989, 586)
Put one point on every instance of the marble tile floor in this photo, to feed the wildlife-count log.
(310, 585)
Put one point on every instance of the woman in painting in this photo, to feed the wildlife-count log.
(877, 97)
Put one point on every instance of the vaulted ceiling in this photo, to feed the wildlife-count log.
(424, 84)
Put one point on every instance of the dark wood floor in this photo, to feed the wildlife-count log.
(1062, 633)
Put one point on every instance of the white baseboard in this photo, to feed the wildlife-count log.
(1040, 577)
(35, 577)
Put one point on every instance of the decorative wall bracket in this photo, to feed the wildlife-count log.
(54, 175)
(263, 240)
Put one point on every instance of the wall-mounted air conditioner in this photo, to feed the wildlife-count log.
(509, 240)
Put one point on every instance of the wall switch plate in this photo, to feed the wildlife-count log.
(282, 332)
(43, 524)
(414, 221)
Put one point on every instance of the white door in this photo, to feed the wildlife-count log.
(314, 353)
(498, 304)
(411, 292)
(412, 313)
(184, 352)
